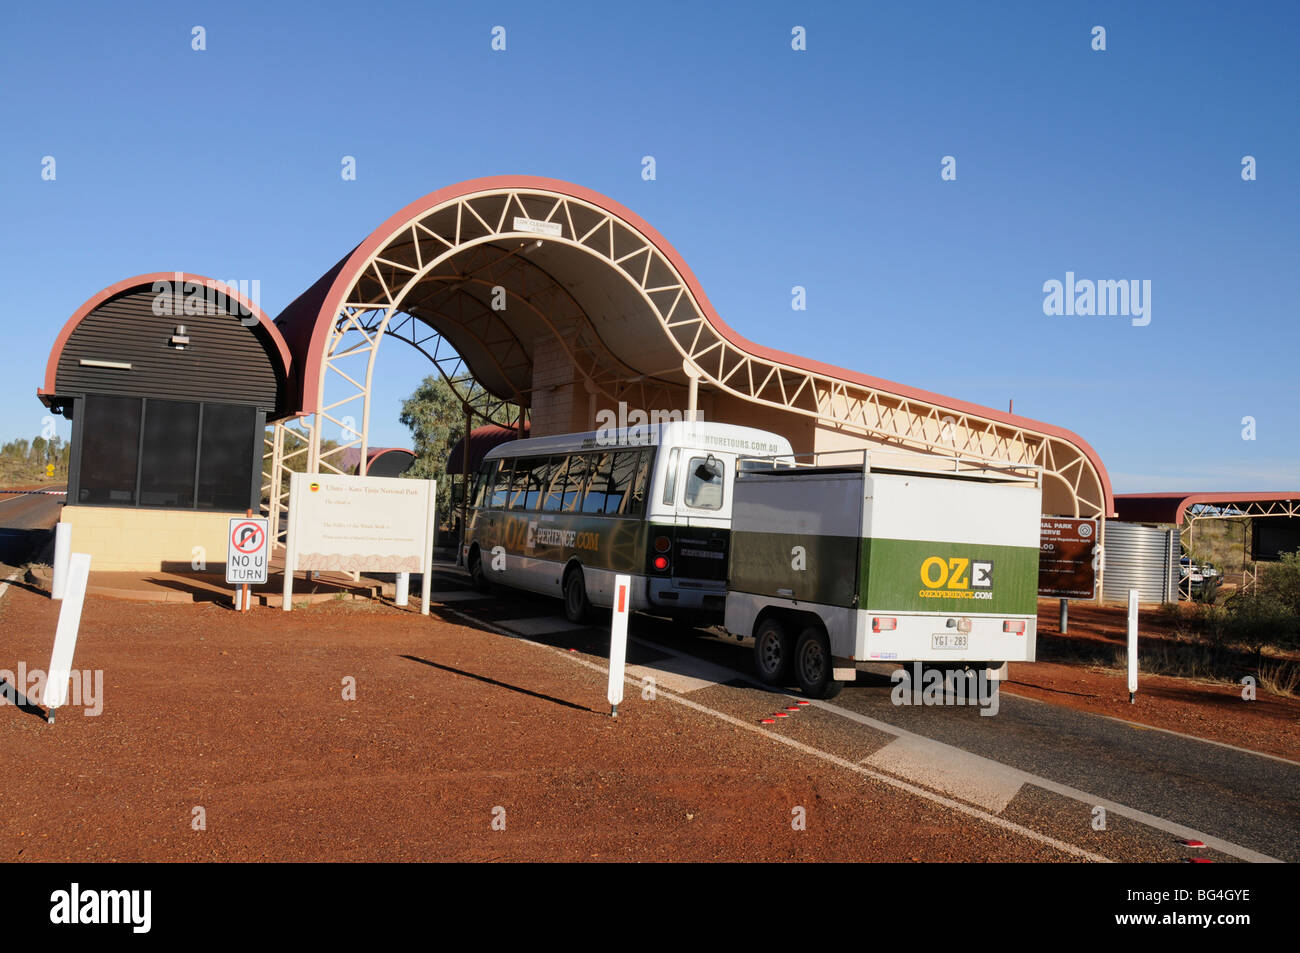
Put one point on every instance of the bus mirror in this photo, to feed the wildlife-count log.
(458, 493)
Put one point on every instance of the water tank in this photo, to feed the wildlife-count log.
(1140, 557)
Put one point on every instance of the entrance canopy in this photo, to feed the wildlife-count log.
(1175, 507)
(553, 299)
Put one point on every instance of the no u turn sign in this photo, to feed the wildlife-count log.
(247, 550)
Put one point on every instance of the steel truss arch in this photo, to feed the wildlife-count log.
(450, 243)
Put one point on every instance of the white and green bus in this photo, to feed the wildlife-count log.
(563, 515)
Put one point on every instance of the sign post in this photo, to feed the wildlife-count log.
(355, 524)
(1067, 559)
(618, 642)
(65, 635)
(247, 556)
(1132, 644)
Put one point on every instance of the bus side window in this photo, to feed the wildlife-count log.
(555, 492)
(622, 476)
(598, 489)
(670, 478)
(480, 488)
(574, 482)
(635, 505)
(500, 485)
(519, 483)
(538, 476)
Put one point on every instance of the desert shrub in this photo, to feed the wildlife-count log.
(1258, 619)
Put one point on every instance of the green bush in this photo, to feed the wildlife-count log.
(1281, 581)
(1260, 618)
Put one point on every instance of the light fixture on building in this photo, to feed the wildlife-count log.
(181, 339)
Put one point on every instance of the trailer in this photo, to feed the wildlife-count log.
(882, 556)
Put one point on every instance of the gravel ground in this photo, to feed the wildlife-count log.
(452, 728)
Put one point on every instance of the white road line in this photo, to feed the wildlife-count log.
(4, 586)
(1223, 846)
(886, 779)
(682, 673)
(456, 595)
(1007, 771)
(951, 770)
(541, 625)
(1168, 731)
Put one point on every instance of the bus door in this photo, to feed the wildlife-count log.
(702, 513)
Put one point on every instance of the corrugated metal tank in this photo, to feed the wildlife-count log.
(1139, 557)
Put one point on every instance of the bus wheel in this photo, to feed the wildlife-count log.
(476, 574)
(772, 650)
(813, 665)
(577, 607)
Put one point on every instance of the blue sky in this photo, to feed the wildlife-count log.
(775, 168)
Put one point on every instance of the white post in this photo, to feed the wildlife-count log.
(291, 542)
(65, 635)
(431, 537)
(403, 589)
(1132, 644)
(62, 547)
(618, 642)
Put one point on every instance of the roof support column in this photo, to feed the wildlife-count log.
(693, 400)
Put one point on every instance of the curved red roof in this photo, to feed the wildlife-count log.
(306, 321)
(1170, 507)
(176, 277)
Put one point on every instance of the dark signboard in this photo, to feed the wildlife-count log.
(1067, 558)
(1273, 536)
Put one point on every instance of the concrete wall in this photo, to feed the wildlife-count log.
(139, 539)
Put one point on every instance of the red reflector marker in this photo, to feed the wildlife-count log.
(1192, 843)
(802, 704)
(768, 721)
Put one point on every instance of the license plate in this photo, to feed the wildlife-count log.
(945, 640)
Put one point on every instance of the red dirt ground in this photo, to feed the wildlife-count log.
(243, 715)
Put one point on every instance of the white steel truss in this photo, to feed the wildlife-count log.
(413, 271)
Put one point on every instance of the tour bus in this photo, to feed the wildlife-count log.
(562, 515)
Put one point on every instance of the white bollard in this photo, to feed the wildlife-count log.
(1132, 644)
(65, 635)
(62, 548)
(403, 589)
(618, 642)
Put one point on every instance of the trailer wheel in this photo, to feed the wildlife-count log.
(577, 607)
(773, 648)
(813, 665)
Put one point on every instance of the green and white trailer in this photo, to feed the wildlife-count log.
(892, 557)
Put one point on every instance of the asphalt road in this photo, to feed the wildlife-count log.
(1055, 772)
(26, 523)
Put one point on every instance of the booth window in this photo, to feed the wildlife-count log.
(167, 453)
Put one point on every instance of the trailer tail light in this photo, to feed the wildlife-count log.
(883, 625)
(1017, 627)
(660, 563)
(663, 544)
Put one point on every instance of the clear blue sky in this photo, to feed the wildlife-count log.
(775, 168)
